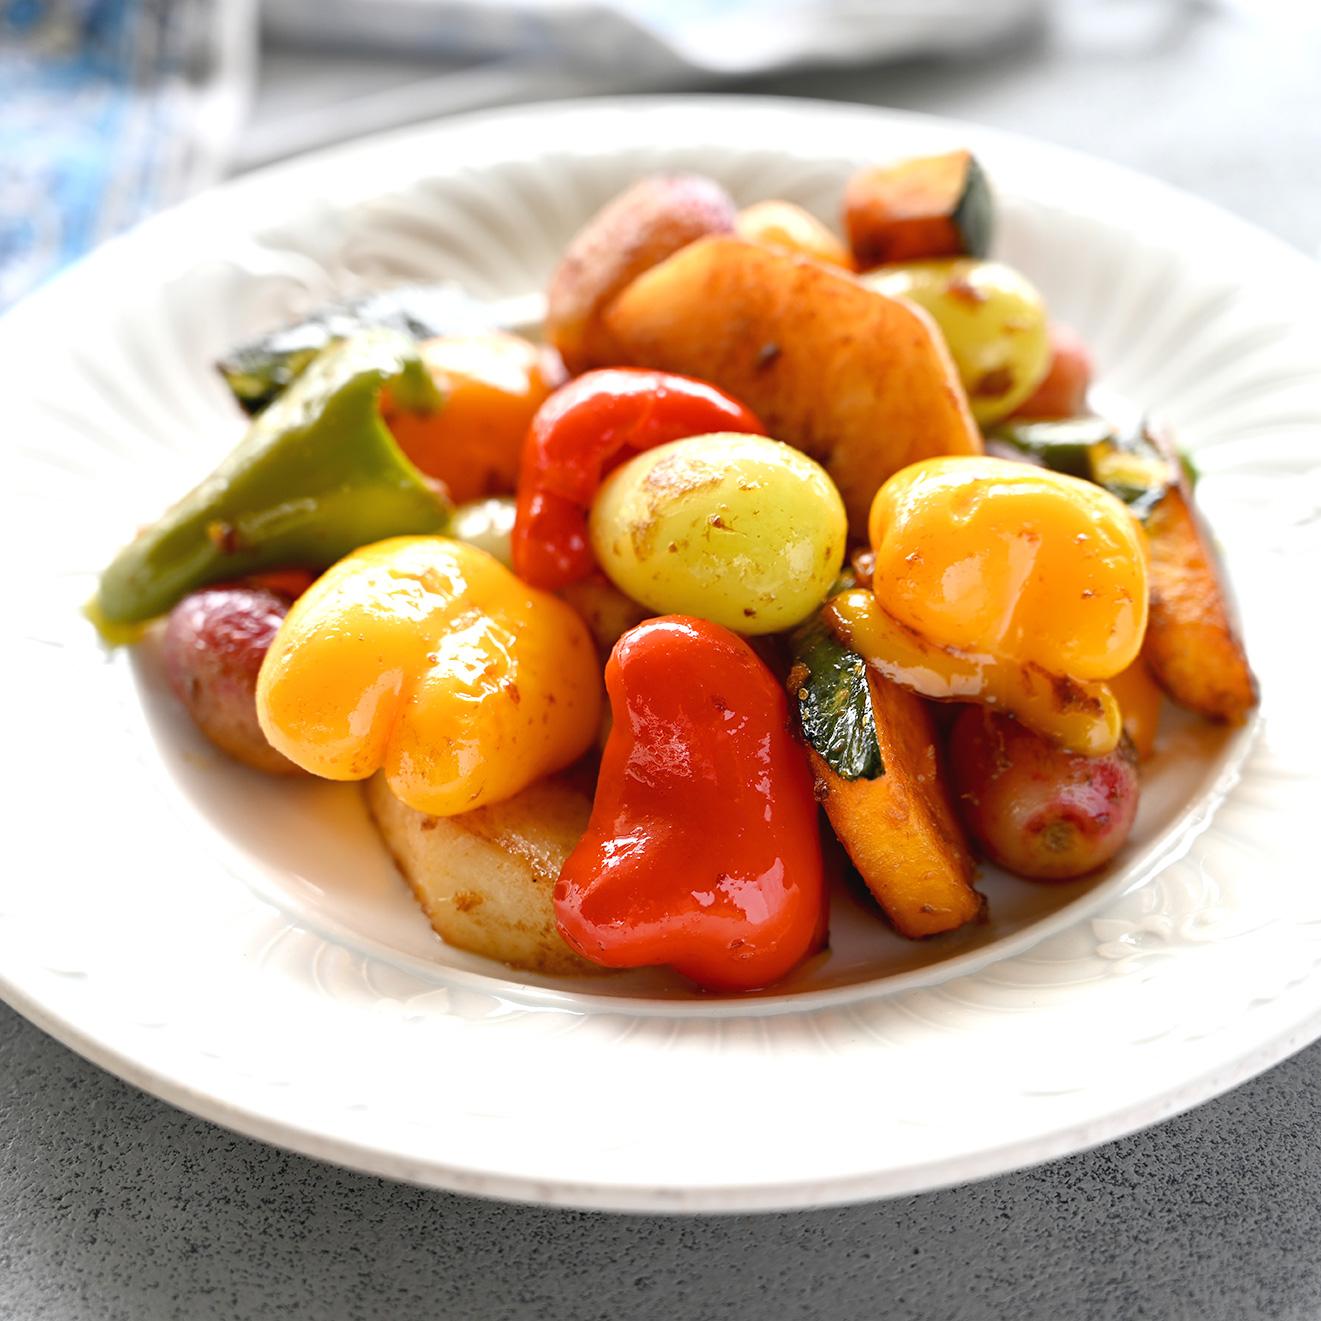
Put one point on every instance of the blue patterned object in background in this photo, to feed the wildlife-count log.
(109, 109)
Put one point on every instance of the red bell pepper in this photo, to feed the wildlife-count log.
(702, 851)
(582, 432)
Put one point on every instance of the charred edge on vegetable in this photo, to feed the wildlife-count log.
(974, 213)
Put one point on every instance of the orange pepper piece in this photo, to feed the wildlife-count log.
(493, 383)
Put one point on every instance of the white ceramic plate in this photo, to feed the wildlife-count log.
(244, 949)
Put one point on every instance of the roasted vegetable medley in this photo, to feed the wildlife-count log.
(776, 534)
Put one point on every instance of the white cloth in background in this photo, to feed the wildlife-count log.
(711, 37)
(110, 109)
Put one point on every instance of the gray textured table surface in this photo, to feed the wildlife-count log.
(113, 1204)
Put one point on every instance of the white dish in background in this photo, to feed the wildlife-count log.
(243, 947)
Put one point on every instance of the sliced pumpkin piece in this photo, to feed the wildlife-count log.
(928, 206)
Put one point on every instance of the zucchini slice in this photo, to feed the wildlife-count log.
(1133, 467)
(829, 683)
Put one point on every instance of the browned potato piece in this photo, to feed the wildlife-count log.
(861, 382)
(485, 878)
(642, 226)
(777, 224)
(1191, 646)
(900, 829)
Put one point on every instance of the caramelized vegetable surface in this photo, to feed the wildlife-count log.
(737, 529)
(1140, 700)
(1192, 644)
(996, 557)
(641, 227)
(426, 658)
(991, 318)
(485, 878)
(859, 381)
(1081, 716)
(900, 829)
(928, 206)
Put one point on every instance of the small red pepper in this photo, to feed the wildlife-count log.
(702, 851)
(582, 432)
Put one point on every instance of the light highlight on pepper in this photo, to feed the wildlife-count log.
(1004, 584)
(427, 658)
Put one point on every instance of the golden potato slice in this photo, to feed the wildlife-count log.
(900, 830)
(1192, 646)
(642, 226)
(861, 382)
(485, 878)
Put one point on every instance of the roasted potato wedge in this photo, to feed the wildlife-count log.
(859, 381)
(485, 878)
(900, 829)
(1192, 646)
(642, 226)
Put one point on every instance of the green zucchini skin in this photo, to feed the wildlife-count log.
(829, 686)
(974, 212)
(1133, 466)
(920, 208)
(1062, 446)
(258, 370)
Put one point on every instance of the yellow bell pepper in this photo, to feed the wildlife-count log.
(1006, 584)
(426, 658)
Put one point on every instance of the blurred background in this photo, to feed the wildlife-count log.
(110, 109)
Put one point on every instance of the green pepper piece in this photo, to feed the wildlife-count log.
(317, 475)
(834, 702)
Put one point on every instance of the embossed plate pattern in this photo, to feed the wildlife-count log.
(244, 951)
